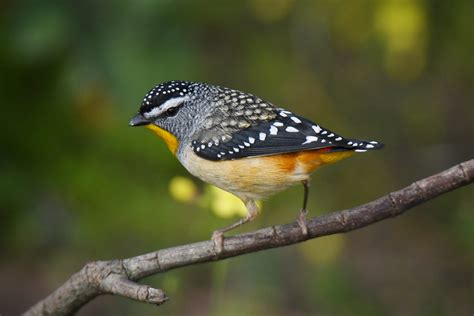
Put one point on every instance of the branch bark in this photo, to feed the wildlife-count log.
(119, 276)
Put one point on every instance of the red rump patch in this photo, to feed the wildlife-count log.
(325, 149)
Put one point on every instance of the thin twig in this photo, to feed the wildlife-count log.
(119, 276)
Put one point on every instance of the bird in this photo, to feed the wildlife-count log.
(241, 143)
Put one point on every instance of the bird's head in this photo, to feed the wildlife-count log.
(175, 110)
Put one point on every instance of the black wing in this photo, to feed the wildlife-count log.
(284, 134)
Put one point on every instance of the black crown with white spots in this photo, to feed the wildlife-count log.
(164, 92)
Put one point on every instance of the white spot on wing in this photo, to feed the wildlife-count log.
(316, 129)
(278, 124)
(339, 138)
(246, 144)
(360, 150)
(273, 130)
(251, 140)
(262, 136)
(295, 119)
(310, 139)
(291, 129)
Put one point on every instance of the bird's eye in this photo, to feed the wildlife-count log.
(172, 106)
(172, 111)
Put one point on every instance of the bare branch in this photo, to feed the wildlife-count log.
(119, 276)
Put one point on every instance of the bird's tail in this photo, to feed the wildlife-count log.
(361, 145)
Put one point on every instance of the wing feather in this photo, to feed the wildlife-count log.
(284, 134)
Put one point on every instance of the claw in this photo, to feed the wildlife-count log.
(218, 239)
(301, 220)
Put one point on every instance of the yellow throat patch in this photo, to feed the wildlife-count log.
(170, 140)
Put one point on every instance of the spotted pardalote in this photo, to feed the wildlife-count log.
(241, 143)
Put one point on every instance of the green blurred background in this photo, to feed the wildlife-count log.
(78, 185)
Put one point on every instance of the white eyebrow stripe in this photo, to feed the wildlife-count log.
(171, 103)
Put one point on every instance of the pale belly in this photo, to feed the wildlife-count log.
(253, 178)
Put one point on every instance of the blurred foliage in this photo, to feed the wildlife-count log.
(79, 185)
(182, 189)
(224, 204)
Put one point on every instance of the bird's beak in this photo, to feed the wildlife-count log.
(138, 120)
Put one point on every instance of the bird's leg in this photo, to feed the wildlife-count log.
(218, 235)
(301, 219)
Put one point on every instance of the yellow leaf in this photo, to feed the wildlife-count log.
(182, 189)
(225, 204)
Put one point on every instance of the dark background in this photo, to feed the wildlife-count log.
(78, 185)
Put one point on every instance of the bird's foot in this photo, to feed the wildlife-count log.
(218, 239)
(301, 220)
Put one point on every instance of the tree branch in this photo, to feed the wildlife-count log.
(119, 276)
